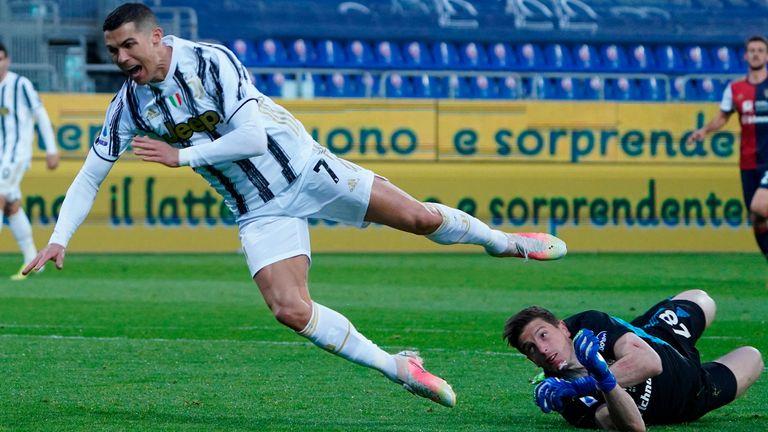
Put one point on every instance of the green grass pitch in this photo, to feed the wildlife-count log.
(184, 342)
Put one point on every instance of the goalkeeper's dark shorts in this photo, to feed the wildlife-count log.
(680, 323)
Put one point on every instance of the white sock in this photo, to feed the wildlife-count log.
(22, 230)
(334, 333)
(459, 227)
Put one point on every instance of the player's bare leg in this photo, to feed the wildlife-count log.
(705, 302)
(746, 363)
(284, 288)
(445, 225)
(759, 213)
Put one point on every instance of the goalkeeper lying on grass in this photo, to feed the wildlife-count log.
(618, 375)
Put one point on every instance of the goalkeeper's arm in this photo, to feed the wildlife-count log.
(619, 412)
(635, 361)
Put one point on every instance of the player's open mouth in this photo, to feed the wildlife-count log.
(551, 359)
(133, 71)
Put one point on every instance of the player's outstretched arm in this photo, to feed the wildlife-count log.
(621, 412)
(635, 362)
(52, 252)
(716, 123)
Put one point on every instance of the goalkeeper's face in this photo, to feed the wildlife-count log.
(138, 52)
(547, 345)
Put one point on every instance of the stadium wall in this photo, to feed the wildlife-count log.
(603, 176)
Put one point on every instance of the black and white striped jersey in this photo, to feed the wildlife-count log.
(19, 106)
(206, 85)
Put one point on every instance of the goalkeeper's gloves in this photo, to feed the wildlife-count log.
(587, 348)
(550, 394)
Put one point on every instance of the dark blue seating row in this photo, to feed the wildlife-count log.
(631, 88)
(668, 59)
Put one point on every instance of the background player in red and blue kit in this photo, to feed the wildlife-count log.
(749, 97)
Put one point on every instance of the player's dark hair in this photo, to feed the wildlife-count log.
(3, 49)
(137, 13)
(757, 38)
(517, 322)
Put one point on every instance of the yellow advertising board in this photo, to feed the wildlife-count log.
(451, 130)
(603, 176)
(582, 132)
(146, 207)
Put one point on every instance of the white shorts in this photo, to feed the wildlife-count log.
(328, 188)
(10, 181)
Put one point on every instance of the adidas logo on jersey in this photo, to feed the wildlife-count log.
(207, 121)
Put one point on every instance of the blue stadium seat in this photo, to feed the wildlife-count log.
(388, 55)
(483, 88)
(338, 85)
(271, 52)
(359, 54)
(614, 58)
(398, 86)
(621, 89)
(681, 89)
(320, 85)
(697, 59)
(330, 53)
(245, 51)
(510, 88)
(725, 60)
(594, 89)
(365, 85)
(445, 55)
(416, 55)
(473, 56)
(651, 89)
(501, 56)
(300, 53)
(530, 57)
(457, 87)
(641, 58)
(544, 88)
(585, 58)
(669, 59)
(740, 53)
(427, 86)
(558, 57)
(706, 89)
(273, 84)
(568, 88)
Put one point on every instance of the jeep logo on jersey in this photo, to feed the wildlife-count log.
(207, 121)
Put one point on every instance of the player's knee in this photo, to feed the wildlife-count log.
(293, 314)
(759, 209)
(703, 300)
(425, 221)
(756, 358)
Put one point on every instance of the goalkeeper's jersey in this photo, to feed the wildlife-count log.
(205, 86)
(662, 399)
(18, 104)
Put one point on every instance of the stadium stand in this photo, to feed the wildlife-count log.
(481, 41)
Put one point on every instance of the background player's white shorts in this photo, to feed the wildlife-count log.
(10, 181)
(328, 188)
